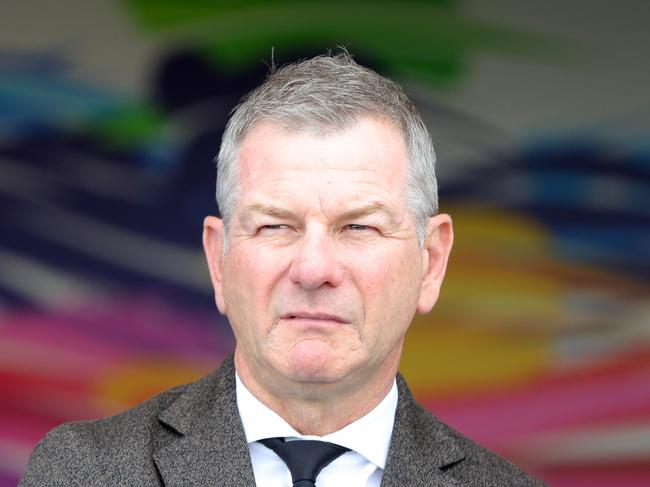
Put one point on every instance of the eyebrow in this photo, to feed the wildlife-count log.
(269, 210)
(370, 209)
(366, 210)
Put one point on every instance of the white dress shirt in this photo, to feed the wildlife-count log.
(368, 439)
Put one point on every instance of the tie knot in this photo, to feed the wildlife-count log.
(304, 458)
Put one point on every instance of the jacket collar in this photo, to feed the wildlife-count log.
(421, 446)
(202, 441)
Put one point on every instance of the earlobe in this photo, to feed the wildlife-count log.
(213, 240)
(437, 247)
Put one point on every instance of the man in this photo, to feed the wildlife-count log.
(329, 242)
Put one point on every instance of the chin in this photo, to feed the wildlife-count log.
(315, 361)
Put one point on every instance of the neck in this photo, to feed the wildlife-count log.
(320, 409)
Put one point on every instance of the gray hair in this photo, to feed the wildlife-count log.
(324, 94)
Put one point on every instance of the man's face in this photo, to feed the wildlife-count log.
(323, 272)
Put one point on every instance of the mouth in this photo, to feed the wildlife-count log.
(313, 317)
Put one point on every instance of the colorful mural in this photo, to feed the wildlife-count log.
(111, 114)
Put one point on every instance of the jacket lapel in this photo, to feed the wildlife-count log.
(200, 440)
(421, 447)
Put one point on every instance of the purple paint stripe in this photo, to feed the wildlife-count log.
(8, 479)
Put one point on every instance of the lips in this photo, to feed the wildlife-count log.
(315, 317)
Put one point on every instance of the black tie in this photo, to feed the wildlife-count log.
(304, 458)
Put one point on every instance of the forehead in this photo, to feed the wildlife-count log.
(370, 153)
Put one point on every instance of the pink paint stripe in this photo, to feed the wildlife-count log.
(142, 322)
(60, 356)
(520, 413)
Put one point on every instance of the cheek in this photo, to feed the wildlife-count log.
(389, 282)
(250, 277)
(391, 267)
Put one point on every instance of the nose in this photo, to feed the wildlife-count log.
(315, 262)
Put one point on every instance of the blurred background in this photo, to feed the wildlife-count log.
(111, 113)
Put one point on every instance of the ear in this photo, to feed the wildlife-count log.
(213, 240)
(437, 246)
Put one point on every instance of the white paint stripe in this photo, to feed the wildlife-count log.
(44, 284)
(125, 248)
(14, 456)
(597, 444)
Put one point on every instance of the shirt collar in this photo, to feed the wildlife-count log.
(369, 435)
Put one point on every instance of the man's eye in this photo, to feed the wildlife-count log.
(276, 226)
(358, 227)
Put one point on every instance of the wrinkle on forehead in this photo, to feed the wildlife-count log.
(364, 164)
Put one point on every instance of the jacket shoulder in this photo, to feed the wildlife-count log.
(480, 466)
(422, 439)
(74, 453)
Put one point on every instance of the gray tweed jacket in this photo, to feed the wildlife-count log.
(192, 436)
